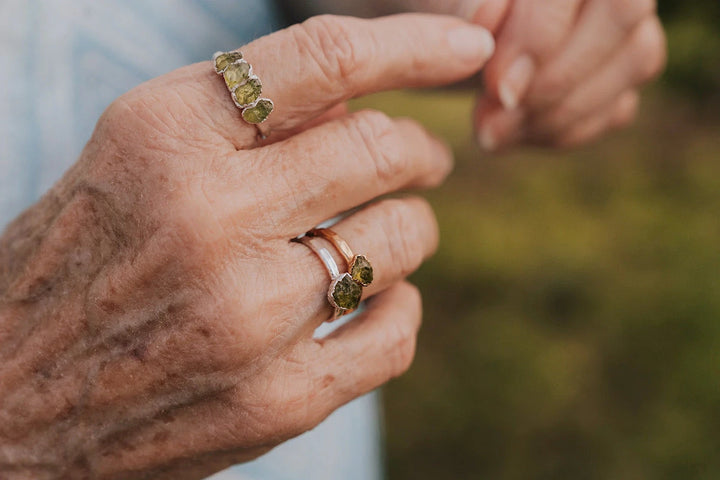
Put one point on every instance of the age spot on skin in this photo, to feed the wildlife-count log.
(160, 436)
(204, 332)
(108, 306)
(327, 380)
(139, 352)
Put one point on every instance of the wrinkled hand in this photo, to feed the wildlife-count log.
(155, 319)
(565, 71)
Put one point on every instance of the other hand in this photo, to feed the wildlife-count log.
(565, 71)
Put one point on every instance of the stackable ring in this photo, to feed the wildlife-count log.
(245, 87)
(359, 266)
(344, 294)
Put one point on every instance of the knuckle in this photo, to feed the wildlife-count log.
(625, 111)
(650, 45)
(557, 82)
(414, 297)
(406, 234)
(630, 12)
(132, 111)
(143, 120)
(119, 121)
(332, 45)
(380, 138)
(402, 342)
(558, 118)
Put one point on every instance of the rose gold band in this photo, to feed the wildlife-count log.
(341, 245)
(359, 266)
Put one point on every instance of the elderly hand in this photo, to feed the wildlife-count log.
(565, 71)
(155, 319)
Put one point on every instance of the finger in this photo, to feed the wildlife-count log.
(601, 28)
(362, 355)
(330, 59)
(495, 126)
(338, 111)
(395, 235)
(641, 59)
(308, 68)
(621, 113)
(345, 163)
(532, 32)
(490, 14)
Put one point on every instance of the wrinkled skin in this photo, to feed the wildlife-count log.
(155, 319)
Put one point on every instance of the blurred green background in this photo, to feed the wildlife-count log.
(572, 326)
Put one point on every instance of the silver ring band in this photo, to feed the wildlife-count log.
(344, 294)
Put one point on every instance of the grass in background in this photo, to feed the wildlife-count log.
(572, 325)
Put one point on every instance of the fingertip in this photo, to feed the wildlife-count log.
(442, 157)
(486, 138)
(411, 296)
(497, 127)
(471, 43)
(626, 109)
(515, 82)
(445, 157)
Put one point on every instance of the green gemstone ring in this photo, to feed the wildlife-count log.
(245, 87)
(359, 266)
(344, 293)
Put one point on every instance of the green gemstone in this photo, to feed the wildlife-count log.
(223, 60)
(236, 74)
(362, 271)
(248, 92)
(346, 293)
(259, 112)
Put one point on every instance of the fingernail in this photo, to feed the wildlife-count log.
(486, 139)
(471, 43)
(516, 81)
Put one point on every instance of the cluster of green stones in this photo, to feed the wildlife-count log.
(245, 87)
(345, 293)
(346, 290)
(361, 271)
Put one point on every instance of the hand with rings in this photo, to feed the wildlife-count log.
(155, 318)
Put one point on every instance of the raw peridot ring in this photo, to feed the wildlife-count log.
(245, 87)
(344, 294)
(358, 265)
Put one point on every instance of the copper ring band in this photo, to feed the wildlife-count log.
(359, 266)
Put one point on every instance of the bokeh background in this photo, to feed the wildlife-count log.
(572, 326)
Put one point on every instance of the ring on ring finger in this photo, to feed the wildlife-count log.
(344, 293)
